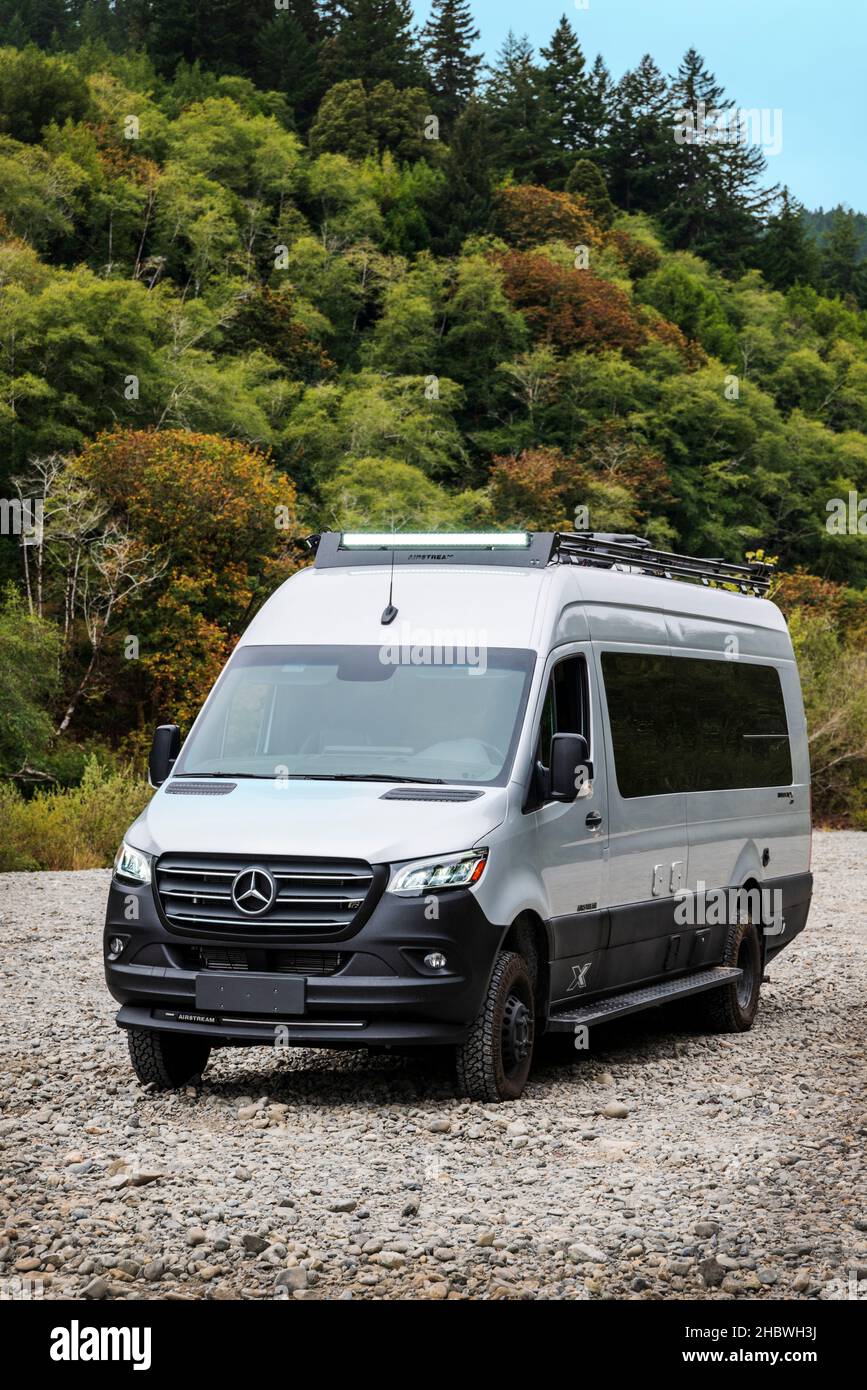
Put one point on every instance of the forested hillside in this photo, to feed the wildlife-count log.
(266, 270)
(840, 222)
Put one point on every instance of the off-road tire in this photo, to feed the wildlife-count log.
(489, 1067)
(167, 1060)
(732, 1008)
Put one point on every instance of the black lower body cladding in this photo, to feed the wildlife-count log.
(795, 893)
(371, 986)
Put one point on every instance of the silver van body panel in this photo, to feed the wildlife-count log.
(543, 862)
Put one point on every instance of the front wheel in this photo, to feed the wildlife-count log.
(494, 1062)
(167, 1060)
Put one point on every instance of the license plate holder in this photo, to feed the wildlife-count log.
(251, 994)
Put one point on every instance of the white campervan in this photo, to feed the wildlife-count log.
(464, 790)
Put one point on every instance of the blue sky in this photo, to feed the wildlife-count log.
(805, 57)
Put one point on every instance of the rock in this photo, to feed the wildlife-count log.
(153, 1271)
(705, 1229)
(578, 1254)
(440, 1126)
(140, 1177)
(97, 1288)
(295, 1278)
(615, 1110)
(485, 1238)
(196, 1236)
(343, 1204)
(253, 1244)
(712, 1272)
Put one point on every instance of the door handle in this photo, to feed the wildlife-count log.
(593, 819)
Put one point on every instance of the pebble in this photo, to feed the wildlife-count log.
(712, 1272)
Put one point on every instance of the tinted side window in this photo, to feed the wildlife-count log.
(681, 724)
(565, 707)
(638, 692)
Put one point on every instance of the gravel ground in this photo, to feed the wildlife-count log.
(659, 1165)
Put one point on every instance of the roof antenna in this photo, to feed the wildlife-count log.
(389, 612)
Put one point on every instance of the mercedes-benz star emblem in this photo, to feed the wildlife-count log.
(253, 891)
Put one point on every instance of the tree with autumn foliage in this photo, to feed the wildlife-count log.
(222, 519)
(569, 307)
(527, 215)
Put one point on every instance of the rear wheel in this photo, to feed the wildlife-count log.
(167, 1060)
(733, 1008)
(494, 1062)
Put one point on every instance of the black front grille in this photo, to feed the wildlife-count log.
(312, 895)
(232, 959)
(214, 958)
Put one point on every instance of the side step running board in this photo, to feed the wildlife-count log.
(618, 1005)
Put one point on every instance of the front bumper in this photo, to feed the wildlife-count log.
(373, 986)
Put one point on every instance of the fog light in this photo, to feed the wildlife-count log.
(115, 947)
(436, 960)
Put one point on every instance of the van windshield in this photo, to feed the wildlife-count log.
(363, 712)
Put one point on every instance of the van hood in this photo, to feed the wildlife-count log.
(314, 819)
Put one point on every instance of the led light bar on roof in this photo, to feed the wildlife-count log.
(465, 540)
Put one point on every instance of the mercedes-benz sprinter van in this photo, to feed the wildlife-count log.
(465, 790)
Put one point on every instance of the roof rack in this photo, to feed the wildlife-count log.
(602, 550)
(534, 550)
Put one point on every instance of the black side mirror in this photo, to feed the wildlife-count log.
(164, 750)
(570, 766)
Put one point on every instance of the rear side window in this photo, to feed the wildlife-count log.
(680, 724)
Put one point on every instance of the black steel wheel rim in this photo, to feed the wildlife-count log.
(746, 982)
(517, 1033)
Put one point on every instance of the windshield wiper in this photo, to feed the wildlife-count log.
(363, 777)
(319, 777)
(260, 776)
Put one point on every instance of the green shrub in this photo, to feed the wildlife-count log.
(70, 827)
(834, 681)
(29, 652)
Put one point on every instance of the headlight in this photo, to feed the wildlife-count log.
(132, 864)
(448, 871)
